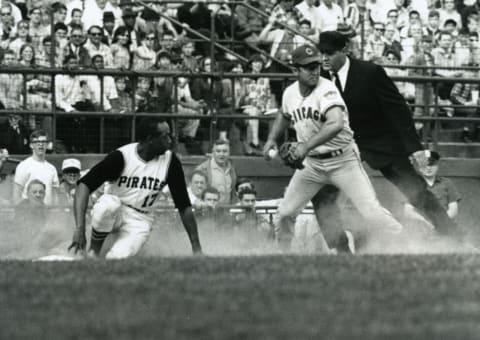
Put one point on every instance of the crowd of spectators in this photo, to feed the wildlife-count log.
(123, 34)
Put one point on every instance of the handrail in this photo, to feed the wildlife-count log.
(176, 74)
(240, 3)
(218, 116)
(259, 12)
(431, 67)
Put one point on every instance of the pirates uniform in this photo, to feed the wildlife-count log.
(131, 195)
(335, 162)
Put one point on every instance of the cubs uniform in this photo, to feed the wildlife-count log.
(335, 162)
(131, 195)
(30, 169)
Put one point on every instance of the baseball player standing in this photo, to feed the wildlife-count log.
(325, 142)
(137, 174)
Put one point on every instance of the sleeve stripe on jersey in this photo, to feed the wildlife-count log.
(332, 105)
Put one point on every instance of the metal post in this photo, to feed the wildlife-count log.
(53, 47)
(435, 123)
(175, 110)
(134, 111)
(102, 118)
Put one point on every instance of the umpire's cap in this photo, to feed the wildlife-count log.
(306, 54)
(433, 157)
(332, 41)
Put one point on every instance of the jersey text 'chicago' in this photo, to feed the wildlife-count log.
(306, 114)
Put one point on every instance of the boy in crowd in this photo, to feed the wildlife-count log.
(36, 167)
(443, 189)
(71, 168)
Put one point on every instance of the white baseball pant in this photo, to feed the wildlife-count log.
(346, 173)
(133, 227)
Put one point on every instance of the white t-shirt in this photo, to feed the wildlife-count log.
(306, 112)
(31, 169)
(330, 17)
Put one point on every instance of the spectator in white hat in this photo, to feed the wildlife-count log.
(71, 168)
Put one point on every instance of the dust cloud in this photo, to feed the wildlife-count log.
(26, 235)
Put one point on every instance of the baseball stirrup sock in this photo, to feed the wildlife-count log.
(96, 241)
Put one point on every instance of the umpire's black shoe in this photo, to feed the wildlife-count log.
(346, 242)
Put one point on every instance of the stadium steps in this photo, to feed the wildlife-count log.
(459, 149)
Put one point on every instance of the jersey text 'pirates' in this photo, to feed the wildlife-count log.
(306, 112)
(138, 183)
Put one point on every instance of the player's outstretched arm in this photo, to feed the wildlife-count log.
(330, 128)
(80, 203)
(190, 224)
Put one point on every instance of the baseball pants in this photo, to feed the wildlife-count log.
(346, 173)
(133, 227)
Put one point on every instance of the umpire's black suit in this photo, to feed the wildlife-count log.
(385, 133)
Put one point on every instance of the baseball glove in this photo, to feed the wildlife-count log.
(287, 154)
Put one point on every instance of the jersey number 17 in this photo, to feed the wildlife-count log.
(149, 200)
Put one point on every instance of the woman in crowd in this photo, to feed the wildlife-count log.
(121, 48)
(38, 97)
(22, 37)
(256, 102)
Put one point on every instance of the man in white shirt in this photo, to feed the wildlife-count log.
(93, 12)
(72, 89)
(36, 167)
(198, 184)
(330, 15)
(110, 94)
(309, 11)
(95, 46)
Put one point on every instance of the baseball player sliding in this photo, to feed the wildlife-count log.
(136, 174)
(326, 151)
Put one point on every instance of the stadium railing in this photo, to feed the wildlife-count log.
(435, 118)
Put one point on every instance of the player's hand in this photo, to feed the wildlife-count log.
(300, 152)
(79, 241)
(270, 144)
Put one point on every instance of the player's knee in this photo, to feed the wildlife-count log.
(118, 254)
(104, 212)
(122, 252)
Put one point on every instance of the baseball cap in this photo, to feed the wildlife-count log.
(331, 41)
(379, 26)
(71, 164)
(433, 157)
(306, 54)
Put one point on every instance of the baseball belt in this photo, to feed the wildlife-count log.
(136, 209)
(327, 155)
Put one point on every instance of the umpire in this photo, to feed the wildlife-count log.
(383, 126)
